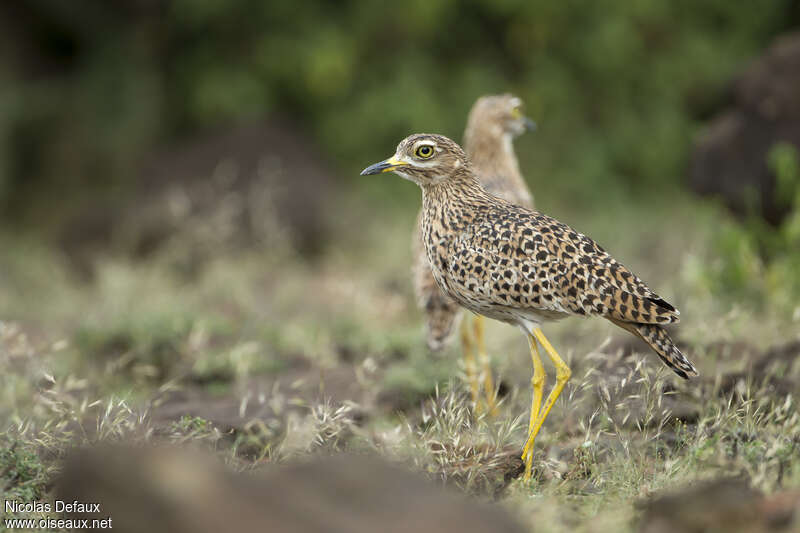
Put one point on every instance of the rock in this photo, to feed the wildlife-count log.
(244, 185)
(728, 505)
(774, 369)
(272, 161)
(730, 160)
(269, 397)
(176, 490)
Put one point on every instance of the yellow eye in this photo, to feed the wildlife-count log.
(424, 151)
(516, 113)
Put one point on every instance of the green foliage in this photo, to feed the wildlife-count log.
(23, 477)
(758, 260)
(193, 429)
(147, 346)
(616, 86)
(784, 161)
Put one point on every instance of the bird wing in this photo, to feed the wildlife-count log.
(596, 283)
(518, 258)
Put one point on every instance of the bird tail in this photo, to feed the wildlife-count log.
(660, 341)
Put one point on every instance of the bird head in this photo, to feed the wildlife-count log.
(424, 158)
(497, 116)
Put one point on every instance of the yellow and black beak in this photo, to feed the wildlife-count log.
(516, 114)
(384, 166)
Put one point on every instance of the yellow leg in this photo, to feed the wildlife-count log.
(486, 367)
(469, 365)
(537, 381)
(563, 374)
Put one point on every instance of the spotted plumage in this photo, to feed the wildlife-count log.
(506, 261)
(442, 313)
(493, 123)
(519, 266)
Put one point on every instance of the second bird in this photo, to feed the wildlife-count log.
(493, 123)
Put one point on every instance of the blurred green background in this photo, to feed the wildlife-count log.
(90, 87)
(93, 93)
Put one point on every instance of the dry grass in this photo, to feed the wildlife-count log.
(265, 329)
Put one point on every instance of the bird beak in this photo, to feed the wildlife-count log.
(529, 124)
(384, 166)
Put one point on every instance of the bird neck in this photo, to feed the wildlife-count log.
(457, 188)
(492, 155)
(452, 202)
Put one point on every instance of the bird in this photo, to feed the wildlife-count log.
(516, 265)
(492, 124)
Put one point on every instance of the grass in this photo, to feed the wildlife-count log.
(331, 353)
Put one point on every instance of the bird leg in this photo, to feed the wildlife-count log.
(469, 365)
(486, 367)
(563, 374)
(537, 381)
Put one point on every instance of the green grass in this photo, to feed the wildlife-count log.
(24, 476)
(83, 363)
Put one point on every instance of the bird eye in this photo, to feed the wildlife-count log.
(424, 151)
